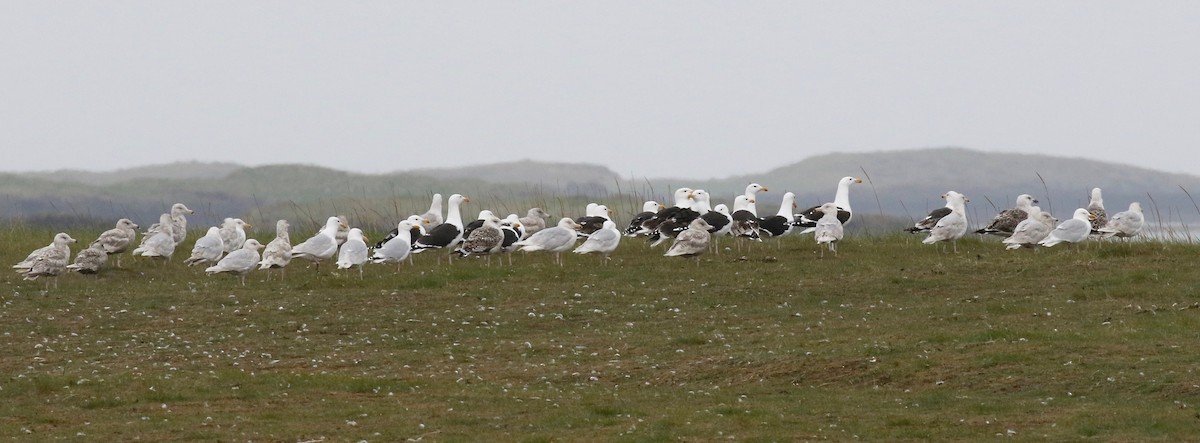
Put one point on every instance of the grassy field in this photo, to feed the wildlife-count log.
(890, 341)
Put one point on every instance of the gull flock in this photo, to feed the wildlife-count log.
(691, 224)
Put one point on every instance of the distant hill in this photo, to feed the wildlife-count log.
(180, 170)
(572, 178)
(905, 184)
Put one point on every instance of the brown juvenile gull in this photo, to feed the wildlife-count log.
(90, 259)
(1007, 220)
(118, 239)
(278, 252)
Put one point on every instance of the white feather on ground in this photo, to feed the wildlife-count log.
(208, 249)
(238, 262)
(1126, 223)
(1074, 230)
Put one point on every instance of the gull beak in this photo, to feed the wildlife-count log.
(425, 221)
(764, 188)
(794, 206)
(691, 196)
(343, 226)
(753, 201)
(612, 212)
(249, 225)
(577, 226)
(858, 180)
(516, 225)
(365, 237)
(466, 199)
(1035, 201)
(1091, 216)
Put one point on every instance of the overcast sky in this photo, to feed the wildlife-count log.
(648, 88)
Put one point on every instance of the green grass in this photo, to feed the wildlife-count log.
(892, 340)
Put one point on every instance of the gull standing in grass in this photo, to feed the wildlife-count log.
(556, 239)
(161, 244)
(448, 234)
(421, 226)
(1074, 230)
(90, 259)
(208, 249)
(278, 252)
(745, 222)
(353, 252)
(829, 228)
(47, 261)
(321, 246)
(484, 240)
(603, 242)
(179, 222)
(649, 208)
(781, 223)
(692, 242)
(398, 248)
(1096, 208)
(953, 225)
(1126, 223)
(926, 224)
(1036, 226)
(118, 239)
(513, 232)
(1007, 220)
(238, 262)
(343, 232)
(233, 234)
(434, 214)
(808, 218)
(533, 221)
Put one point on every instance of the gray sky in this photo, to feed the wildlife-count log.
(699, 89)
